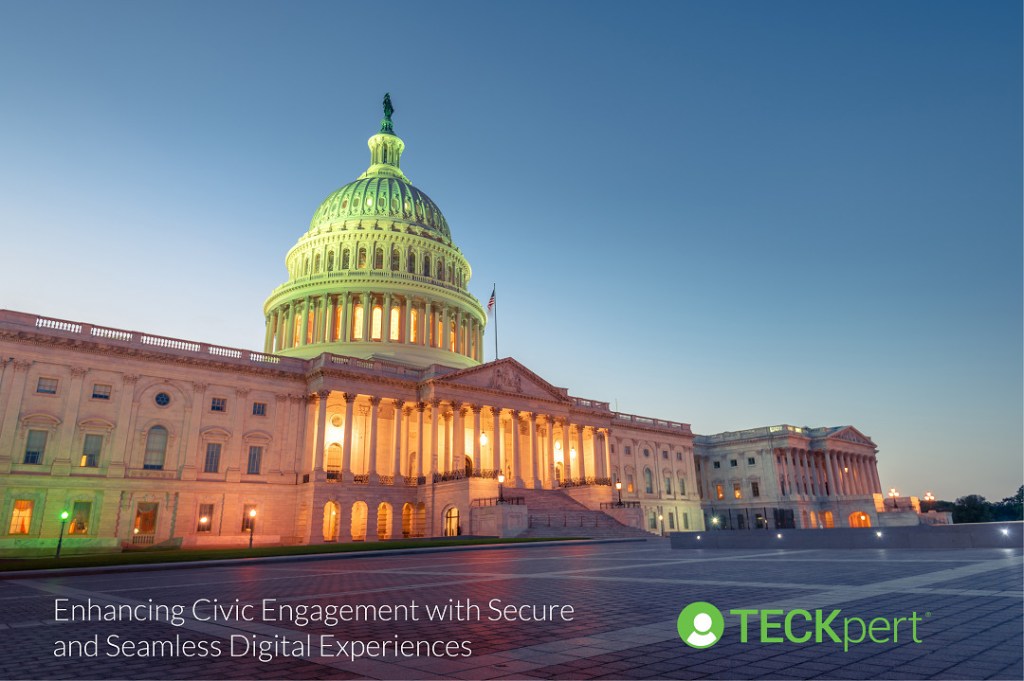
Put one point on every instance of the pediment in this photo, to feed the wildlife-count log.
(505, 376)
(851, 434)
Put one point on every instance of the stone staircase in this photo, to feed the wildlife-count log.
(555, 514)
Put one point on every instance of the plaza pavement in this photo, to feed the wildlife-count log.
(626, 598)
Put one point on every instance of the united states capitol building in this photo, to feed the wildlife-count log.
(369, 414)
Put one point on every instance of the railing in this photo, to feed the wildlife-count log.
(146, 340)
(605, 505)
(143, 539)
(449, 475)
(486, 473)
(589, 404)
(498, 501)
(333, 476)
(387, 480)
(577, 520)
(413, 482)
(361, 479)
(750, 433)
(586, 482)
(374, 274)
(652, 423)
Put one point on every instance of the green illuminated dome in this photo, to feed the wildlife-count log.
(377, 275)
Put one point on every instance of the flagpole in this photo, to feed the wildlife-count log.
(494, 294)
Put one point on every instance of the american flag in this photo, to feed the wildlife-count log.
(490, 303)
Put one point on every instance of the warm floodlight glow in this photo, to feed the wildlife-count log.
(483, 439)
(252, 513)
(501, 478)
(204, 520)
(558, 446)
(618, 485)
(572, 453)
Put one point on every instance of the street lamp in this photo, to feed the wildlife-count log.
(895, 498)
(661, 523)
(928, 496)
(252, 525)
(501, 488)
(714, 520)
(63, 520)
(618, 488)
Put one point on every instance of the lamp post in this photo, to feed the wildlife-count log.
(252, 524)
(618, 488)
(60, 540)
(661, 524)
(895, 498)
(501, 488)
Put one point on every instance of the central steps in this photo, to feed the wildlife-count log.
(553, 513)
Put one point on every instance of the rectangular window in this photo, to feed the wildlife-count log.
(212, 457)
(686, 521)
(21, 517)
(720, 492)
(652, 521)
(755, 489)
(205, 518)
(668, 485)
(682, 486)
(35, 446)
(100, 391)
(679, 456)
(248, 517)
(47, 386)
(219, 404)
(629, 451)
(750, 461)
(717, 464)
(629, 483)
(80, 517)
(91, 451)
(737, 490)
(733, 463)
(664, 454)
(259, 408)
(671, 520)
(255, 458)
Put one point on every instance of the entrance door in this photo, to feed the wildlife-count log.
(144, 531)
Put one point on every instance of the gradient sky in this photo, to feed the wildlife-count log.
(731, 214)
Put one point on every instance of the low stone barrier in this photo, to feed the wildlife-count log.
(1005, 535)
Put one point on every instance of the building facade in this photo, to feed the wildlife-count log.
(367, 415)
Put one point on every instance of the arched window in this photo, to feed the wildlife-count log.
(357, 322)
(426, 265)
(316, 264)
(345, 260)
(378, 259)
(452, 338)
(396, 260)
(330, 261)
(396, 316)
(305, 266)
(648, 481)
(668, 483)
(376, 323)
(410, 264)
(451, 523)
(440, 270)
(361, 263)
(414, 332)
(156, 448)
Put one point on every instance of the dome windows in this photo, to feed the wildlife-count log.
(369, 201)
(345, 259)
(361, 263)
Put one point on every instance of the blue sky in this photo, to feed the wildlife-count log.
(731, 214)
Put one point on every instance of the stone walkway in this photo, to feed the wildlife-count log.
(625, 599)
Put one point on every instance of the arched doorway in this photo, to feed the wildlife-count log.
(469, 467)
(419, 524)
(332, 462)
(814, 521)
(860, 519)
(828, 520)
(558, 473)
(412, 465)
(407, 512)
(384, 521)
(359, 511)
(451, 522)
(331, 521)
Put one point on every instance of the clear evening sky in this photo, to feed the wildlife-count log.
(731, 214)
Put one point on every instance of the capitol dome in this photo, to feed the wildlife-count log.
(377, 275)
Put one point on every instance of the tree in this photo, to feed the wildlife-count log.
(1010, 508)
(972, 508)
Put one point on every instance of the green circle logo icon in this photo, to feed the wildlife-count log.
(700, 625)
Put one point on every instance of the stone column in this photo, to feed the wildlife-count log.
(434, 409)
(367, 315)
(407, 335)
(534, 454)
(346, 445)
(793, 488)
(420, 441)
(321, 429)
(373, 467)
(458, 438)
(477, 462)
(874, 474)
(517, 465)
(581, 452)
(345, 332)
(290, 326)
(304, 331)
(567, 468)
(496, 440)
(396, 461)
(551, 452)
(329, 305)
(268, 334)
(606, 454)
(446, 333)
(830, 471)
(385, 326)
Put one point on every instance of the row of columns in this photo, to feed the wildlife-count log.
(531, 460)
(332, 317)
(832, 473)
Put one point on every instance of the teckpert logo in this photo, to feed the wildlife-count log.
(700, 625)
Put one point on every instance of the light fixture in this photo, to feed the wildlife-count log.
(483, 439)
(714, 520)
(1005, 531)
(204, 520)
(572, 453)
(778, 536)
(878, 534)
(698, 537)
(558, 446)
